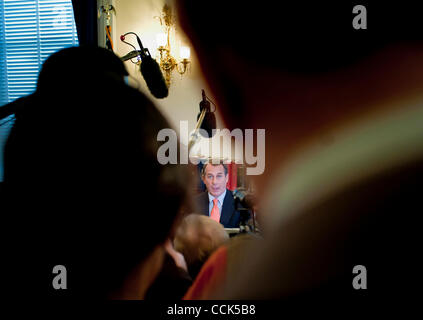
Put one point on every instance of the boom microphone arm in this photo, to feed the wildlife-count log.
(131, 55)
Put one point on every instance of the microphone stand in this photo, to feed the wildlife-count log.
(131, 55)
(204, 108)
(194, 137)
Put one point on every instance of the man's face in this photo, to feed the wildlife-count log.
(215, 179)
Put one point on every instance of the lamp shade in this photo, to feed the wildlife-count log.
(161, 39)
(184, 52)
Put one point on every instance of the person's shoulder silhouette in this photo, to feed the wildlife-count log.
(79, 163)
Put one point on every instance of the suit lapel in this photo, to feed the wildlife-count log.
(205, 204)
(227, 208)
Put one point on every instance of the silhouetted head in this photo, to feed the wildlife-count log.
(77, 66)
(197, 237)
(81, 170)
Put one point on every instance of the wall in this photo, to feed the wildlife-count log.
(182, 104)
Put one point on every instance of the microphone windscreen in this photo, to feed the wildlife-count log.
(153, 76)
(249, 200)
(209, 123)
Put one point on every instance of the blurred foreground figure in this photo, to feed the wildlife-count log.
(81, 171)
(196, 238)
(343, 113)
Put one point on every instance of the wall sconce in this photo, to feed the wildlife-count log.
(166, 61)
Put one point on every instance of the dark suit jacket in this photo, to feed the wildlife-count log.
(229, 216)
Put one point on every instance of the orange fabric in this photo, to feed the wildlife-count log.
(212, 274)
(215, 214)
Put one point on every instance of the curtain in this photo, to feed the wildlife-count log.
(85, 12)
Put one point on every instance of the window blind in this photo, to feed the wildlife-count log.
(30, 31)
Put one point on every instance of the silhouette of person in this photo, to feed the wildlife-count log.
(80, 174)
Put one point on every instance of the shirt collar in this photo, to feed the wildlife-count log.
(219, 198)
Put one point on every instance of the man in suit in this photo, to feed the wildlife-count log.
(217, 202)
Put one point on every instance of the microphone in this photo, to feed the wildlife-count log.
(244, 203)
(153, 76)
(247, 200)
(150, 69)
(206, 120)
(209, 120)
(204, 104)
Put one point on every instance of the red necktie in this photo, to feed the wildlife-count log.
(215, 214)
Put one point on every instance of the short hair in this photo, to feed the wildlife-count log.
(65, 68)
(203, 170)
(197, 237)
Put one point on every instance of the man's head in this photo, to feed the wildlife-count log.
(215, 177)
(196, 238)
(78, 67)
